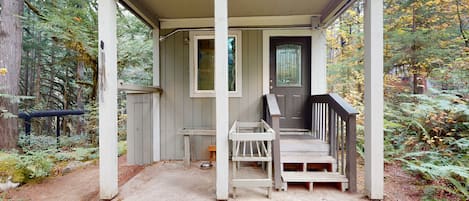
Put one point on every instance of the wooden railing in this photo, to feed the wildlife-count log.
(334, 121)
(272, 117)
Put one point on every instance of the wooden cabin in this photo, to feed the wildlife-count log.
(219, 61)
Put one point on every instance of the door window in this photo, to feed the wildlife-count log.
(288, 65)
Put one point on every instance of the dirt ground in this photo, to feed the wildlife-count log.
(171, 181)
(398, 185)
(79, 185)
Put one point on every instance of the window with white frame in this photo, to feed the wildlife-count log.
(202, 64)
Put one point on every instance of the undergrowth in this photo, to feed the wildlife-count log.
(429, 134)
(38, 162)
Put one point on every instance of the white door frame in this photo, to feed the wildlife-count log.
(318, 57)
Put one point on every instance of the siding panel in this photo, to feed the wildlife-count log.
(179, 110)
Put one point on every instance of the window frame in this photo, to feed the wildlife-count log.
(194, 36)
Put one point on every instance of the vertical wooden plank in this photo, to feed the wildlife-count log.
(253, 97)
(164, 45)
(188, 102)
(170, 98)
(107, 77)
(244, 101)
(138, 129)
(178, 95)
(155, 117)
(221, 89)
(259, 73)
(147, 137)
(130, 129)
(374, 167)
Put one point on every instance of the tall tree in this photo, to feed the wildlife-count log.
(10, 56)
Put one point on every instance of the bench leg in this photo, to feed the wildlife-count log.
(187, 151)
(344, 186)
(310, 186)
(285, 186)
(234, 192)
(269, 192)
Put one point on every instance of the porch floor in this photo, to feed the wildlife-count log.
(171, 181)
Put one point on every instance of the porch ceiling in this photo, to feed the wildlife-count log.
(157, 10)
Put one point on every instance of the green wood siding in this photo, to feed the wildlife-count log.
(179, 110)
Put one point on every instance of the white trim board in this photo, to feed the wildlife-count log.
(257, 21)
(193, 37)
(317, 37)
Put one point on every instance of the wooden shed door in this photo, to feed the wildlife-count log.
(290, 79)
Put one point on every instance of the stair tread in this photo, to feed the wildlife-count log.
(303, 145)
(294, 130)
(313, 177)
(305, 158)
(298, 137)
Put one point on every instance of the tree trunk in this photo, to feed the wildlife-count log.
(10, 54)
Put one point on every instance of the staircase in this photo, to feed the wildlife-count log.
(306, 159)
(325, 154)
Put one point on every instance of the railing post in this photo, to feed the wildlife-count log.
(351, 168)
(276, 149)
(331, 133)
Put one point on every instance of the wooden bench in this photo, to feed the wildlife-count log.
(187, 133)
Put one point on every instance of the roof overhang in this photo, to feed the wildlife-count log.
(175, 14)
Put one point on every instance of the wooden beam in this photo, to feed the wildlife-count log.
(107, 80)
(137, 88)
(156, 96)
(374, 99)
(142, 13)
(256, 21)
(334, 9)
(221, 102)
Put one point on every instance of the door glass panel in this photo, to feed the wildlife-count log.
(288, 65)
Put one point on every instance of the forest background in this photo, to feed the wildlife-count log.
(426, 83)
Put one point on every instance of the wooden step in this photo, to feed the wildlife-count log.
(294, 130)
(312, 177)
(303, 144)
(287, 157)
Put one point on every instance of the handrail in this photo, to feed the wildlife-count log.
(334, 121)
(334, 100)
(272, 104)
(272, 117)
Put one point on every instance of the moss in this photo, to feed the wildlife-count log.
(9, 168)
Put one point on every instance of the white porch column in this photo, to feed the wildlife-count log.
(221, 89)
(107, 80)
(318, 62)
(374, 103)
(156, 96)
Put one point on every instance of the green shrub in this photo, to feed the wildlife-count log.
(8, 168)
(430, 135)
(38, 163)
(121, 148)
